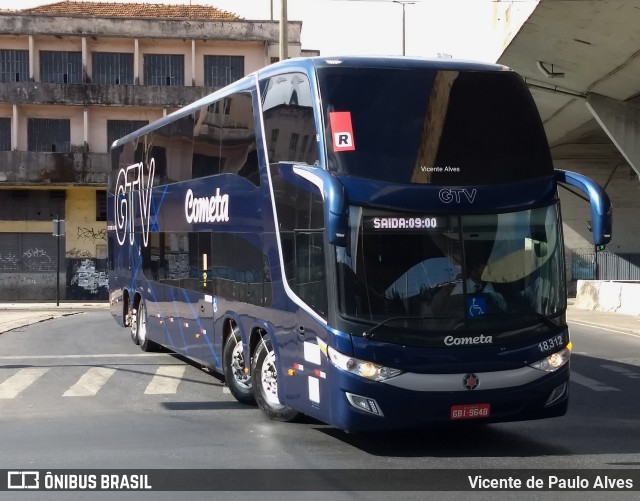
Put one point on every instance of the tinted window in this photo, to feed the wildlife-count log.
(228, 265)
(428, 126)
(289, 122)
(225, 139)
(300, 210)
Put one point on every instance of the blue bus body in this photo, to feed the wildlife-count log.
(307, 232)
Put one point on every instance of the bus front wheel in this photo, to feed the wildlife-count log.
(265, 383)
(237, 378)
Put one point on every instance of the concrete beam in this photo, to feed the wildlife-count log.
(21, 24)
(621, 122)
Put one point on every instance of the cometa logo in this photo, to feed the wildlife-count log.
(213, 209)
(459, 341)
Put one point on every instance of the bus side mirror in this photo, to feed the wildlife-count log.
(601, 210)
(336, 210)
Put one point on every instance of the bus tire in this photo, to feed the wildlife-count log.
(132, 321)
(141, 329)
(237, 379)
(265, 383)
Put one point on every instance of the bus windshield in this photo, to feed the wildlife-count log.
(431, 127)
(433, 273)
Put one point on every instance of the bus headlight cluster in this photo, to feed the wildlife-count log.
(362, 368)
(553, 362)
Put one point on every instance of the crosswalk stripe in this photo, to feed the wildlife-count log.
(90, 382)
(166, 380)
(622, 370)
(592, 384)
(22, 379)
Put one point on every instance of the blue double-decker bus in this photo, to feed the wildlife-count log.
(373, 242)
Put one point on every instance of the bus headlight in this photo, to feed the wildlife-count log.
(553, 362)
(362, 368)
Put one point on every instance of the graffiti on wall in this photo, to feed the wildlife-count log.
(91, 234)
(23, 286)
(87, 280)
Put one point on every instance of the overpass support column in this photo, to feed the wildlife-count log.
(621, 121)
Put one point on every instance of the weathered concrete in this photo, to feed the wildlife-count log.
(609, 296)
(164, 96)
(23, 168)
(12, 23)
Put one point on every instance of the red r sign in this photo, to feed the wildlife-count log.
(342, 131)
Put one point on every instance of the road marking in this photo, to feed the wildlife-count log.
(166, 380)
(20, 380)
(592, 384)
(90, 382)
(622, 370)
(225, 389)
(599, 326)
(63, 357)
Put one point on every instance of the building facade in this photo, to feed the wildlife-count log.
(74, 77)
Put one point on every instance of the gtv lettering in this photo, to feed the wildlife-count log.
(132, 181)
(449, 195)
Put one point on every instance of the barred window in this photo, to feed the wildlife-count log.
(48, 134)
(14, 65)
(5, 134)
(60, 67)
(222, 70)
(120, 128)
(164, 69)
(112, 68)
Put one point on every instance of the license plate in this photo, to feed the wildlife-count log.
(472, 411)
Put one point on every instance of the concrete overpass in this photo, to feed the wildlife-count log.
(581, 60)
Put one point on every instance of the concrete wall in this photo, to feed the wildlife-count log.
(612, 296)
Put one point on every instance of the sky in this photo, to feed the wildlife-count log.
(458, 28)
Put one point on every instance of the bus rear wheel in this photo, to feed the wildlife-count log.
(141, 337)
(264, 374)
(237, 378)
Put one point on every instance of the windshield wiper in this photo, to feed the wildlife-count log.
(368, 334)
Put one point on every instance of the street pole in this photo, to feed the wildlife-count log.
(58, 231)
(404, 4)
(284, 42)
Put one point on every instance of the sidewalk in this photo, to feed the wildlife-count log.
(16, 315)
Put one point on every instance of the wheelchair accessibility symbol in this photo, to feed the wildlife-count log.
(477, 306)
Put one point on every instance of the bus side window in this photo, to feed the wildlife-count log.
(207, 143)
(289, 121)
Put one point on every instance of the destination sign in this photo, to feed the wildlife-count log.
(402, 223)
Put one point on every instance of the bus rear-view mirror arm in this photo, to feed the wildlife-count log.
(601, 210)
(336, 208)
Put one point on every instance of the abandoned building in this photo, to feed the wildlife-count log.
(74, 77)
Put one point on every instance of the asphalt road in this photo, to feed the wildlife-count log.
(76, 393)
